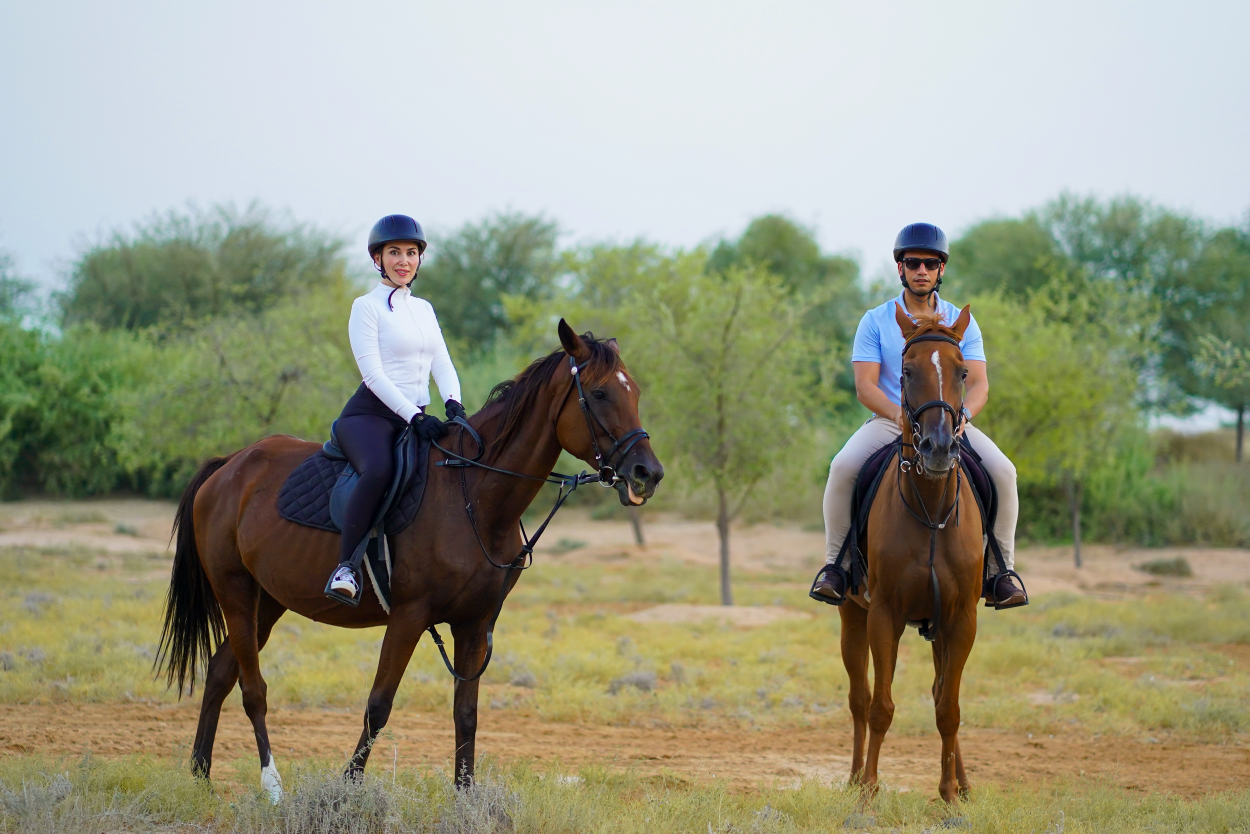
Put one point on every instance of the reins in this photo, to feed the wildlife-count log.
(606, 477)
(914, 465)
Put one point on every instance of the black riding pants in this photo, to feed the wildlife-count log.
(367, 441)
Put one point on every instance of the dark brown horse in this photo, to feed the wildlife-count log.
(239, 566)
(924, 527)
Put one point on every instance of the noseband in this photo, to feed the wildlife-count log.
(609, 463)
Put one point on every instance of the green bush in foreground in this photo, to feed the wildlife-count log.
(39, 796)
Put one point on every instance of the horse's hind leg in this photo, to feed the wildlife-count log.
(223, 674)
(402, 633)
(950, 653)
(855, 658)
(240, 596)
(884, 630)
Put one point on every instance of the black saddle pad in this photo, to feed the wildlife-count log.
(305, 495)
(869, 480)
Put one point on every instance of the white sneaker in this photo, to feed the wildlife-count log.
(345, 581)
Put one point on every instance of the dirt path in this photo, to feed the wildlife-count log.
(745, 757)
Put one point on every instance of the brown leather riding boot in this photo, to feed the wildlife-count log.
(1002, 591)
(832, 584)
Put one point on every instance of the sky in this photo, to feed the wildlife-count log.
(677, 121)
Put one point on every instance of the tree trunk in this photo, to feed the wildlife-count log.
(1074, 503)
(635, 521)
(722, 530)
(1241, 428)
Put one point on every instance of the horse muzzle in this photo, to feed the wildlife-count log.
(638, 481)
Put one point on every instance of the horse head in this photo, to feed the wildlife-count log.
(597, 418)
(933, 386)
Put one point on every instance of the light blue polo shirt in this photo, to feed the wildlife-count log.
(878, 339)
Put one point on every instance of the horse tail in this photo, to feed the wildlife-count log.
(193, 623)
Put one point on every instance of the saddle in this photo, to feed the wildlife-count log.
(854, 550)
(316, 493)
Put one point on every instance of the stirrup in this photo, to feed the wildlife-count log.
(821, 597)
(338, 596)
(992, 602)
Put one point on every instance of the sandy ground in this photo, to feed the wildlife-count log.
(747, 758)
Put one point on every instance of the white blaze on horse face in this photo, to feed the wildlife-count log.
(624, 381)
(937, 363)
(271, 782)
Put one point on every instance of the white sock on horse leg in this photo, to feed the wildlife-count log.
(271, 782)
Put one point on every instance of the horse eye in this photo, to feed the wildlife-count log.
(906, 371)
(599, 395)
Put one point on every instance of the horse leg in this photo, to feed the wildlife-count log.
(223, 674)
(884, 630)
(240, 596)
(402, 633)
(855, 658)
(470, 652)
(950, 653)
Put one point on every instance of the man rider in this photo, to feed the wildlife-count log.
(920, 253)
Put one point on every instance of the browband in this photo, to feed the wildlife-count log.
(930, 337)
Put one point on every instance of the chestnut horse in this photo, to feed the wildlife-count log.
(924, 555)
(239, 566)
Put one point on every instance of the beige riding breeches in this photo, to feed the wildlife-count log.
(879, 431)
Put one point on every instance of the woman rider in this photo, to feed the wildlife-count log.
(920, 251)
(397, 343)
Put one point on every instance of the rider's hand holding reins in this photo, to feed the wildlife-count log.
(428, 426)
(454, 410)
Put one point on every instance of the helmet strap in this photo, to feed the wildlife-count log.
(923, 296)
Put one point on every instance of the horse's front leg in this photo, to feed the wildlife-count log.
(469, 655)
(402, 633)
(884, 630)
(950, 653)
(855, 658)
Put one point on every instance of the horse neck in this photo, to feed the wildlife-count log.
(533, 451)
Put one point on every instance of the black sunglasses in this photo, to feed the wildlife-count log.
(930, 264)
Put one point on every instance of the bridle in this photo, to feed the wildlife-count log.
(606, 477)
(621, 447)
(915, 465)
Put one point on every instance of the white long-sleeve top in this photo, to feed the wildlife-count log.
(397, 350)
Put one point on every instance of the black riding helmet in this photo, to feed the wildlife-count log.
(923, 237)
(395, 227)
(391, 228)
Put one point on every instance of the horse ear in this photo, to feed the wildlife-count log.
(961, 323)
(612, 344)
(571, 342)
(904, 323)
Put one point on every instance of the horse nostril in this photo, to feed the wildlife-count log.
(926, 446)
(640, 473)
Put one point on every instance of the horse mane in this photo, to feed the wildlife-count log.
(515, 398)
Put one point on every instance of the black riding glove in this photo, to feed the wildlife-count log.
(454, 410)
(428, 426)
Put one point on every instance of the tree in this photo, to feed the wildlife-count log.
(231, 381)
(14, 291)
(177, 268)
(1206, 324)
(1063, 382)
(1001, 255)
(826, 285)
(471, 272)
(727, 391)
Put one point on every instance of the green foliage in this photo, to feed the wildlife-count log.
(14, 291)
(1001, 256)
(727, 395)
(180, 267)
(228, 382)
(1206, 341)
(474, 269)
